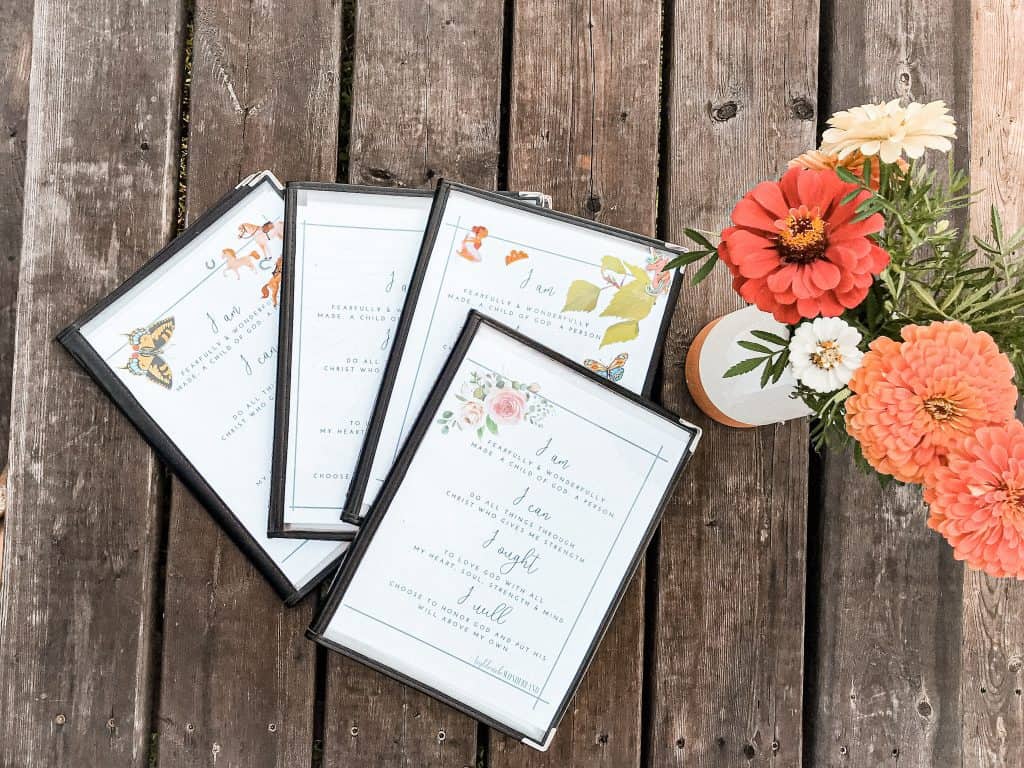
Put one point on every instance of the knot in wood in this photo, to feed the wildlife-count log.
(724, 111)
(802, 108)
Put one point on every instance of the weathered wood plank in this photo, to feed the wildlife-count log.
(15, 58)
(238, 679)
(727, 673)
(76, 609)
(886, 667)
(992, 676)
(426, 92)
(425, 105)
(584, 128)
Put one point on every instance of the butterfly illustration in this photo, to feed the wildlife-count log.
(514, 256)
(613, 371)
(146, 346)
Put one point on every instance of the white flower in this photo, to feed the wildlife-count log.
(888, 130)
(824, 353)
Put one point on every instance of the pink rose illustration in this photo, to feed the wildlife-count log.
(471, 414)
(506, 405)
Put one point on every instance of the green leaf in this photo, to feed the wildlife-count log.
(754, 347)
(698, 238)
(631, 302)
(447, 415)
(705, 270)
(848, 176)
(613, 264)
(491, 426)
(624, 331)
(687, 258)
(744, 366)
(773, 338)
(480, 433)
(924, 295)
(582, 296)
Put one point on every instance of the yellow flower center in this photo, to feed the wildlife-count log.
(941, 408)
(803, 235)
(828, 355)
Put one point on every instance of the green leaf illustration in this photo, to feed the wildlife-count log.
(625, 331)
(640, 274)
(613, 264)
(582, 296)
(631, 302)
(491, 426)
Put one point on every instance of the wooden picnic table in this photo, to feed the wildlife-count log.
(789, 612)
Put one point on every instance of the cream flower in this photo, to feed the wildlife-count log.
(890, 130)
(823, 353)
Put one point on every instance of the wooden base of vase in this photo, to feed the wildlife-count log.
(696, 387)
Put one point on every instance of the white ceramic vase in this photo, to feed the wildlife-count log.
(738, 401)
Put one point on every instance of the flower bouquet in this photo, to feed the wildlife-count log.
(899, 334)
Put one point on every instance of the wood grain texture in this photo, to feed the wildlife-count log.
(76, 607)
(238, 676)
(887, 631)
(426, 92)
(15, 60)
(992, 676)
(727, 672)
(584, 128)
(425, 105)
(887, 666)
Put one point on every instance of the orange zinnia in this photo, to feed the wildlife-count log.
(914, 399)
(798, 251)
(977, 500)
(816, 160)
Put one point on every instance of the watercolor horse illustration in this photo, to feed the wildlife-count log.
(273, 285)
(233, 262)
(262, 234)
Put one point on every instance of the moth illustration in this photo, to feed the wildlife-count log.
(471, 244)
(514, 256)
(613, 371)
(146, 345)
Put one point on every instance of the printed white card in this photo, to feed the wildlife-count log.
(353, 255)
(497, 555)
(594, 295)
(195, 344)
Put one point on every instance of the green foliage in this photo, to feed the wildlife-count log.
(936, 272)
(773, 360)
(705, 251)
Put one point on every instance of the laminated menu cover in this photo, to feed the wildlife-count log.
(186, 348)
(349, 254)
(507, 532)
(597, 294)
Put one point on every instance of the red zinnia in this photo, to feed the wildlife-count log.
(797, 252)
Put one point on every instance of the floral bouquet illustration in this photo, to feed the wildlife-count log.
(634, 292)
(488, 402)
